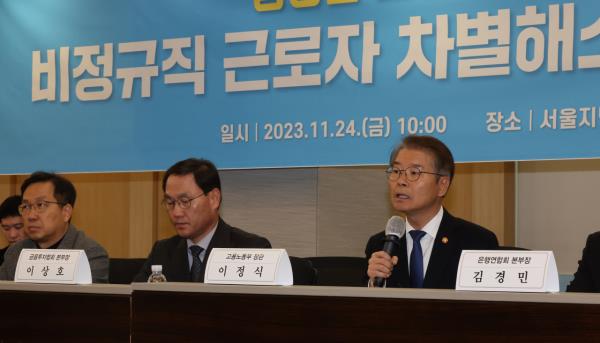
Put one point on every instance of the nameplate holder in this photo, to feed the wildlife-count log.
(507, 271)
(236, 266)
(53, 266)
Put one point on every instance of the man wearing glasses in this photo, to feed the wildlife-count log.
(47, 208)
(192, 198)
(419, 176)
(11, 222)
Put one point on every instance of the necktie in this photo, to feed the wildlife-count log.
(196, 271)
(416, 260)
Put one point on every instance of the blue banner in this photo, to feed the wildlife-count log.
(137, 85)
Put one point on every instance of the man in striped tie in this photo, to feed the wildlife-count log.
(192, 198)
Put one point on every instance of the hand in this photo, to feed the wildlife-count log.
(381, 265)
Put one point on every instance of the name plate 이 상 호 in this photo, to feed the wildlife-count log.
(53, 266)
(507, 271)
(249, 267)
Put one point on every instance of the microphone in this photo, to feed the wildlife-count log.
(394, 231)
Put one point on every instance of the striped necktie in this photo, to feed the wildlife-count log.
(196, 271)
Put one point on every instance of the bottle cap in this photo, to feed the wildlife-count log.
(156, 268)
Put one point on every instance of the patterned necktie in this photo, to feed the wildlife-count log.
(196, 271)
(416, 260)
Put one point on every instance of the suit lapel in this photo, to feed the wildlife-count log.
(221, 239)
(180, 265)
(441, 252)
(400, 276)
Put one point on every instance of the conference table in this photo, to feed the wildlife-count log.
(64, 313)
(216, 313)
(185, 312)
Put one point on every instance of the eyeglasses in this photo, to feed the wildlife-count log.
(183, 202)
(39, 206)
(412, 173)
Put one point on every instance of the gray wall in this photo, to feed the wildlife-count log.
(333, 211)
(309, 211)
(557, 207)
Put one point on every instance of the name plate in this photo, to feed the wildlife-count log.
(249, 267)
(53, 266)
(507, 271)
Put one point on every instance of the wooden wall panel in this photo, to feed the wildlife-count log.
(510, 204)
(7, 186)
(143, 216)
(484, 194)
(460, 197)
(102, 209)
(117, 210)
(164, 228)
(309, 211)
(489, 199)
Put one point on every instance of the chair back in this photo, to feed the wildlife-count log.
(506, 247)
(304, 273)
(340, 270)
(123, 270)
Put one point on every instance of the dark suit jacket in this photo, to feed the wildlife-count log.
(443, 264)
(172, 254)
(2, 252)
(587, 276)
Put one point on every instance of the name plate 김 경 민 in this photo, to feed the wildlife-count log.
(507, 271)
(236, 266)
(53, 266)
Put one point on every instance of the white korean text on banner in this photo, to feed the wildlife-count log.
(136, 85)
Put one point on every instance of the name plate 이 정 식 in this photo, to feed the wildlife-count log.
(53, 266)
(249, 267)
(507, 271)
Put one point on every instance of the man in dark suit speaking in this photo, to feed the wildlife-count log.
(192, 198)
(419, 176)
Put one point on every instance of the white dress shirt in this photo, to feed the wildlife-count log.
(431, 230)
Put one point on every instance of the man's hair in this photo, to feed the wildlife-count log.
(204, 171)
(10, 207)
(64, 191)
(442, 157)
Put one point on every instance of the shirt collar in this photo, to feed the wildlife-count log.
(204, 242)
(432, 227)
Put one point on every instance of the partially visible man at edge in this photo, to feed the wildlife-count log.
(11, 222)
(419, 176)
(587, 276)
(47, 209)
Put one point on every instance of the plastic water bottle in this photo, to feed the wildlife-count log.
(157, 275)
